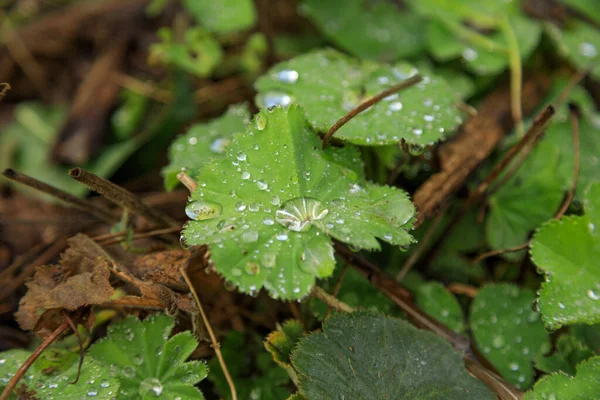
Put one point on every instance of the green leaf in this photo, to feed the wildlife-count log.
(372, 30)
(222, 16)
(128, 116)
(579, 42)
(282, 341)
(508, 332)
(268, 209)
(440, 304)
(585, 7)
(254, 372)
(199, 54)
(95, 380)
(368, 356)
(328, 84)
(204, 142)
(149, 363)
(527, 200)
(569, 352)
(584, 386)
(567, 252)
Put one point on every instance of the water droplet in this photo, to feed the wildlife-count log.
(282, 237)
(129, 372)
(417, 131)
(428, 118)
(201, 209)
(260, 121)
(268, 221)
(318, 259)
(469, 54)
(498, 341)
(253, 207)
(245, 175)
(593, 295)
(275, 200)
(252, 268)
(287, 76)
(240, 206)
(269, 260)
(415, 149)
(272, 99)
(262, 185)
(298, 214)
(105, 383)
(241, 156)
(150, 386)
(587, 49)
(92, 393)
(219, 145)
(193, 141)
(513, 366)
(395, 106)
(236, 272)
(250, 236)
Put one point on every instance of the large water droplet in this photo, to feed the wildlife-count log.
(317, 258)
(272, 99)
(219, 145)
(287, 76)
(395, 106)
(129, 372)
(250, 236)
(252, 268)
(201, 209)
(260, 121)
(593, 295)
(150, 387)
(587, 49)
(297, 214)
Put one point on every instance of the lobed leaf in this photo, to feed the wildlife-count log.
(368, 356)
(147, 362)
(268, 210)
(567, 252)
(508, 332)
(328, 84)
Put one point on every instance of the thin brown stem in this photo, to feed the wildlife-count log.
(80, 341)
(423, 245)
(368, 103)
(498, 252)
(188, 182)
(120, 196)
(75, 202)
(331, 301)
(12, 384)
(215, 344)
(141, 235)
(463, 289)
(4, 88)
(467, 108)
(574, 112)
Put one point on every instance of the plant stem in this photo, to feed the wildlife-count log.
(188, 182)
(368, 103)
(516, 74)
(215, 344)
(4, 88)
(86, 206)
(330, 300)
(120, 196)
(12, 384)
(574, 112)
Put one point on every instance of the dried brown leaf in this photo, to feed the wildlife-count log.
(162, 268)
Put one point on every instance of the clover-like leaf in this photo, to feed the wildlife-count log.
(204, 142)
(377, 30)
(579, 42)
(369, 356)
(526, 201)
(584, 386)
(268, 209)
(222, 16)
(508, 332)
(567, 251)
(569, 352)
(147, 362)
(328, 84)
(55, 382)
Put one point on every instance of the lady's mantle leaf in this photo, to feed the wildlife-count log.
(585, 385)
(148, 363)
(268, 209)
(204, 142)
(508, 332)
(568, 252)
(374, 30)
(328, 84)
(367, 356)
(55, 382)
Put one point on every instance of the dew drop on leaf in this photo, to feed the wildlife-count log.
(287, 76)
(250, 236)
(201, 209)
(297, 214)
(272, 99)
(150, 387)
(219, 145)
(252, 268)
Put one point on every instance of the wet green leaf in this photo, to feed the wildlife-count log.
(569, 352)
(368, 356)
(328, 84)
(148, 362)
(282, 341)
(127, 118)
(508, 332)
(268, 210)
(567, 252)
(579, 42)
(584, 386)
(528, 199)
(373, 30)
(95, 380)
(222, 16)
(204, 142)
(440, 304)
